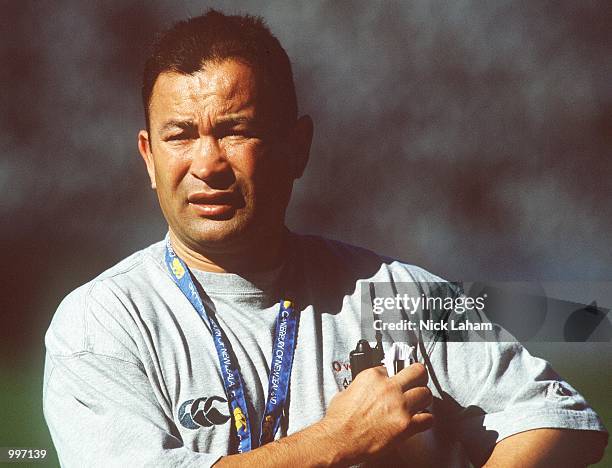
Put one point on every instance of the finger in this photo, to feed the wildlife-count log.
(420, 422)
(377, 372)
(412, 376)
(417, 399)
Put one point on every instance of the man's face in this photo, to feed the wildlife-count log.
(223, 178)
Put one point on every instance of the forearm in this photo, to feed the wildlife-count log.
(549, 447)
(314, 446)
(361, 423)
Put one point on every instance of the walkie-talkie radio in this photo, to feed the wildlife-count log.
(364, 356)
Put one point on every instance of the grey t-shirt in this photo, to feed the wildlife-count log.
(132, 376)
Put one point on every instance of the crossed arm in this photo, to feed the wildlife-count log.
(374, 414)
(536, 448)
(549, 447)
(363, 422)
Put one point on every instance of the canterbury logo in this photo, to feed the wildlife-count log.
(203, 412)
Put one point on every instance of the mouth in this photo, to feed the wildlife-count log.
(214, 205)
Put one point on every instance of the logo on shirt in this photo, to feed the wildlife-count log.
(203, 412)
(342, 372)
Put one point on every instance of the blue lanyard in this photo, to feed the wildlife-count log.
(283, 349)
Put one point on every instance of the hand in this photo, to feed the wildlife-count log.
(376, 411)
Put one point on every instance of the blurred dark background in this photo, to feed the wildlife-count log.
(470, 138)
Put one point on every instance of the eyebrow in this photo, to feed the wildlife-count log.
(182, 124)
(228, 119)
(234, 119)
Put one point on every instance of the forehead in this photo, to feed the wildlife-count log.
(223, 86)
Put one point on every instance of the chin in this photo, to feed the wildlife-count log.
(242, 229)
(215, 234)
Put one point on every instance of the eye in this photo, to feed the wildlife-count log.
(239, 133)
(236, 134)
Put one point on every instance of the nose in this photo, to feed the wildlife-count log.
(210, 164)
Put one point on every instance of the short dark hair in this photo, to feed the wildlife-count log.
(214, 36)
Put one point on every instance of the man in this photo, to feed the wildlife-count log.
(183, 355)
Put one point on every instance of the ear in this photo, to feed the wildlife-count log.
(300, 138)
(144, 147)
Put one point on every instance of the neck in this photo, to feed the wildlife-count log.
(247, 259)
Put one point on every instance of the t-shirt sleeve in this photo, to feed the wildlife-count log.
(100, 408)
(101, 412)
(487, 385)
(492, 390)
